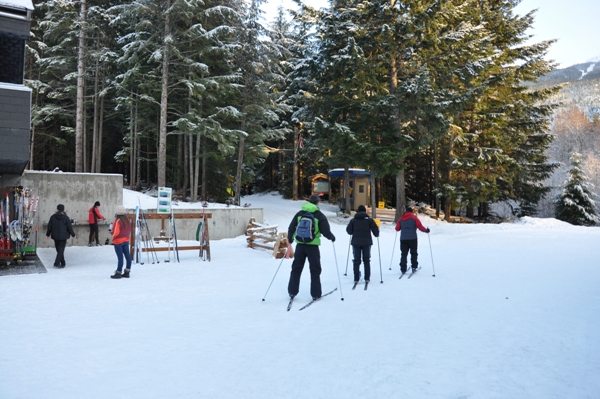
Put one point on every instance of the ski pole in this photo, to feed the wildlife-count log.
(338, 270)
(380, 272)
(277, 271)
(393, 249)
(431, 252)
(348, 256)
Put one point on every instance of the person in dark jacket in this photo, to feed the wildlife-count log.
(94, 216)
(360, 228)
(60, 230)
(408, 225)
(308, 250)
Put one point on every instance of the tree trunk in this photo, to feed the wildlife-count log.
(95, 120)
(186, 163)
(132, 149)
(436, 179)
(80, 95)
(400, 181)
(162, 139)
(238, 174)
(197, 166)
(348, 204)
(203, 191)
(100, 134)
(295, 167)
(448, 207)
(373, 198)
(189, 160)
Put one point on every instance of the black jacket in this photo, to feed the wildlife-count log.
(360, 227)
(59, 227)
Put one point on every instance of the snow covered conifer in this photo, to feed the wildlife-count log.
(575, 204)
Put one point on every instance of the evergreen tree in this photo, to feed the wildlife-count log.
(255, 106)
(575, 204)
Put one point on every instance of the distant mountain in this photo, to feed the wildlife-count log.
(586, 71)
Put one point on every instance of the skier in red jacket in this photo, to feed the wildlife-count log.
(408, 225)
(95, 215)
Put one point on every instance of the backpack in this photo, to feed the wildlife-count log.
(305, 230)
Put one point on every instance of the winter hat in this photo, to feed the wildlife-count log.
(361, 208)
(409, 209)
(97, 203)
(314, 198)
(121, 210)
(61, 207)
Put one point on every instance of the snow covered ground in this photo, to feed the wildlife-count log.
(512, 312)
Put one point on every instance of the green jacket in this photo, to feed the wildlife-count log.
(321, 224)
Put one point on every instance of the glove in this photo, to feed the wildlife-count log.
(332, 238)
(427, 231)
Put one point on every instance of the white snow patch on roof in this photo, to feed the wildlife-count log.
(28, 4)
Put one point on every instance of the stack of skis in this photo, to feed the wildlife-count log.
(143, 239)
(18, 225)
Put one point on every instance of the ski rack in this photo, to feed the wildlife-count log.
(164, 216)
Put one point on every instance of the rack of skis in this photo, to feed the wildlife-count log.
(144, 242)
(17, 223)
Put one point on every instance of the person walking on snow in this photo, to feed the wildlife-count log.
(60, 230)
(94, 215)
(360, 228)
(309, 249)
(121, 232)
(408, 225)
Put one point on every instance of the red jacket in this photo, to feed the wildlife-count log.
(121, 233)
(411, 223)
(95, 215)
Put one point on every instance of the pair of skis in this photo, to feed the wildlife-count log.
(411, 274)
(311, 302)
(356, 283)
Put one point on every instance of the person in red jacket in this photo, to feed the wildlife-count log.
(408, 225)
(95, 215)
(121, 232)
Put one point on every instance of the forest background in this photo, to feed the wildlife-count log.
(446, 103)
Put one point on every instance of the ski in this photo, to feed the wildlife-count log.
(174, 236)
(414, 272)
(401, 275)
(290, 303)
(355, 283)
(366, 285)
(315, 300)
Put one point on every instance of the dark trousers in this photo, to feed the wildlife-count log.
(60, 252)
(363, 251)
(313, 254)
(405, 246)
(94, 233)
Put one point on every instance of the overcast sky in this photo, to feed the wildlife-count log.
(575, 23)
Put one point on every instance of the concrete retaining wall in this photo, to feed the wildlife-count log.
(224, 222)
(79, 191)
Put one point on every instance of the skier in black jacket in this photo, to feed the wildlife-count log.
(308, 250)
(60, 229)
(360, 228)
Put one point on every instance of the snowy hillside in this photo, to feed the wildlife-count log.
(512, 312)
(585, 71)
